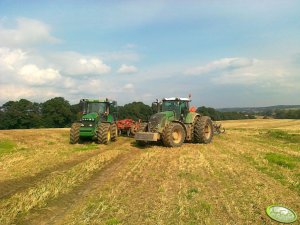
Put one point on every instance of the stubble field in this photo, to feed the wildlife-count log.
(45, 180)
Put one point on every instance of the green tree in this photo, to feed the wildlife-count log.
(216, 115)
(76, 112)
(57, 113)
(20, 115)
(135, 111)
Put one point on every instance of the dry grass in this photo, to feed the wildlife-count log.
(231, 181)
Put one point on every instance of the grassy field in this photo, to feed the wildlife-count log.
(45, 180)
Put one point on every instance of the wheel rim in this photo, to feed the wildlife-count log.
(207, 130)
(176, 136)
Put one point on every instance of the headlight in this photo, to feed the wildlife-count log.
(82, 125)
(90, 125)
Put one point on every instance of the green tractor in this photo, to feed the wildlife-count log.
(97, 122)
(173, 123)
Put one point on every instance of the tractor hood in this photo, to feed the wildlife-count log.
(157, 121)
(90, 116)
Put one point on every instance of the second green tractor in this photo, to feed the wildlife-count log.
(174, 123)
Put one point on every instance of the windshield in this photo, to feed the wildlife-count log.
(170, 105)
(96, 107)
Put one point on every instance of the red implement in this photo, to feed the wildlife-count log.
(128, 126)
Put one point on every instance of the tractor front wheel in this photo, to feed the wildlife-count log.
(74, 133)
(104, 133)
(174, 135)
(203, 130)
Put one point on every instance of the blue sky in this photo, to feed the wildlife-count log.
(225, 53)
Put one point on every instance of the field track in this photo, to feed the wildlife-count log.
(45, 180)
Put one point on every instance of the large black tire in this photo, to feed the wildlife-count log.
(104, 133)
(114, 132)
(173, 135)
(74, 133)
(203, 130)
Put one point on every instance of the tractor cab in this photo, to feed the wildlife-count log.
(105, 110)
(179, 106)
(93, 106)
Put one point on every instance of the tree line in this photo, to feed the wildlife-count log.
(281, 114)
(58, 112)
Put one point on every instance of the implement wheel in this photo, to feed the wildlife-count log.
(174, 135)
(74, 133)
(203, 130)
(104, 133)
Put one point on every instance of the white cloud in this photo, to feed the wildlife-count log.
(10, 59)
(246, 71)
(15, 92)
(127, 69)
(35, 76)
(73, 63)
(221, 64)
(128, 86)
(27, 32)
(260, 73)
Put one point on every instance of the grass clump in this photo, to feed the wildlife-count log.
(86, 147)
(6, 146)
(198, 212)
(191, 192)
(112, 221)
(283, 136)
(189, 176)
(282, 160)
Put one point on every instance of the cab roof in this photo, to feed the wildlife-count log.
(97, 100)
(176, 99)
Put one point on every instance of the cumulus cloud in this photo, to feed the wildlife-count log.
(35, 76)
(245, 71)
(221, 64)
(261, 73)
(10, 59)
(27, 32)
(15, 92)
(73, 63)
(126, 69)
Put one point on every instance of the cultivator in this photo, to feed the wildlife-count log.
(218, 129)
(128, 127)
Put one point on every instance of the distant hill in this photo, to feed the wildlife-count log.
(259, 109)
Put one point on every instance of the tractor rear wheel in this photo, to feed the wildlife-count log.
(104, 133)
(203, 130)
(173, 135)
(74, 133)
(114, 132)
